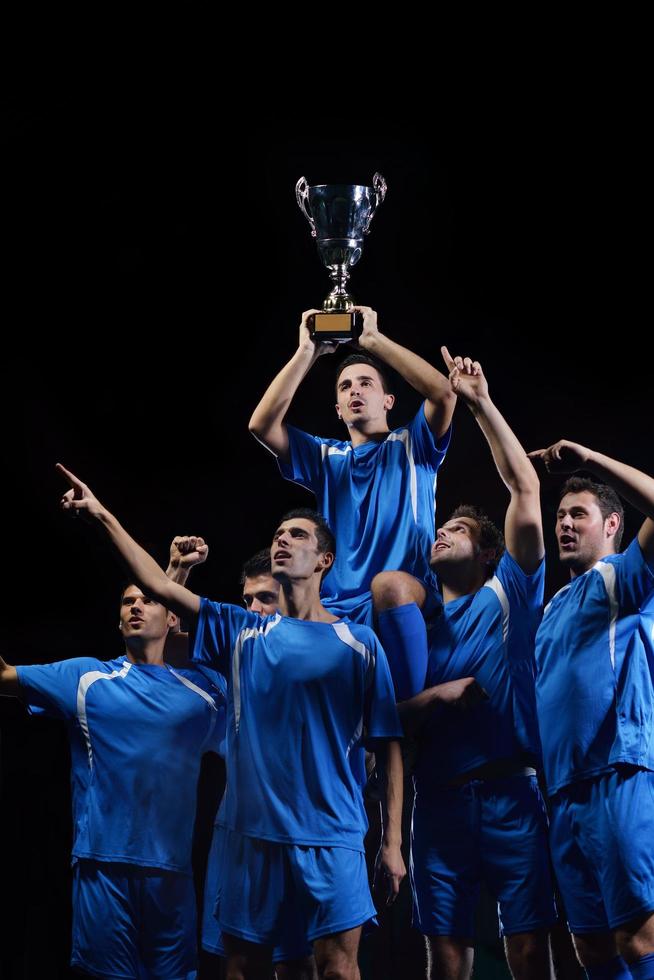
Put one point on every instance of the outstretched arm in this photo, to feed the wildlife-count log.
(9, 683)
(523, 526)
(434, 387)
(267, 423)
(146, 572)
(632, 484)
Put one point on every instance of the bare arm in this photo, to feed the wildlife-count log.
(186, 551)
(434, 387)
(389, 860)
(267, 423)
(415, 712)
(146, 572)
(632, 484)
(523, 525)
(9, 683)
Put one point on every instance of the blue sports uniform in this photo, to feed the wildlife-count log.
(483, 828)
(378, 499)
(595, 700)
(137, 734)
(301, 697)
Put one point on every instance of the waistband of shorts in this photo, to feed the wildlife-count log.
(498, 769)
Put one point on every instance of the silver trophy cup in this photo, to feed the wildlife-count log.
(339, 216)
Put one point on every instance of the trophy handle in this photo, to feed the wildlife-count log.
(379, 185)
(302, 196)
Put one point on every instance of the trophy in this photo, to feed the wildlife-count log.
(340, 216)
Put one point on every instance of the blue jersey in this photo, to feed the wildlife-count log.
(301, 697)
(137, 735)
(378, 499)
(595, 660)
(488, 635)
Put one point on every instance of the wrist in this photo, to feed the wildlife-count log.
(479, 404)
(372, 342)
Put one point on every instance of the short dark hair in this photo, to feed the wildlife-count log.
(364, 359)
(258, 564)
(490, 535)
(324, 534)
(131, 583)
(606, 497)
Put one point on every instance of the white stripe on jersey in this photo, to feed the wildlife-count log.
(607, 571)
(496, 586)
(404, 437)
(85, 682)
(193, 687)
(326, 450)
(247, 634)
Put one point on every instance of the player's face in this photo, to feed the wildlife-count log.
(456, 541)
(581, 531)
(360, 396)
(143, 617)
(295, 553)
(261, 594)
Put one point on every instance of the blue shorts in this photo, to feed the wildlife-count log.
(326, 886)
(601, 837)
(493, 830)
(133, 923)
(290, 944)
(359, 608)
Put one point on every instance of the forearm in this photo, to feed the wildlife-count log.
(418, 372)
(415, 711)
(393, 798)
(145, 570)
(178, 573)
(270, 413)
(9, 684)
(632, 484)
(511, 460)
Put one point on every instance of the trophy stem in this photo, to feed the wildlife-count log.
(339, 300)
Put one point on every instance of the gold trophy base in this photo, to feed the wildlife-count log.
(339, 326)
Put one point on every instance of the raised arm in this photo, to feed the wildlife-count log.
(267, 423)
(523, 526)
(142, 567)
(9, 684)
(632, 484)
(434, 387)
(186, 551)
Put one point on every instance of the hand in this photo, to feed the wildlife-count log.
(562, 457)
(466, 377)
(188, 551)
(79, 499)
(462, 693)
(308, 342)
(370, 331)
(389, 872)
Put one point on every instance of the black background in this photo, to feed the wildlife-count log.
(156, 267)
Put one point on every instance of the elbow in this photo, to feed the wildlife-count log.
(257, 428)
(528, 482)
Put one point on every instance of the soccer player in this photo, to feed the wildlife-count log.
(478, 813)
(595, 698)
(304, 688)
(375, 490)
(138, 729)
